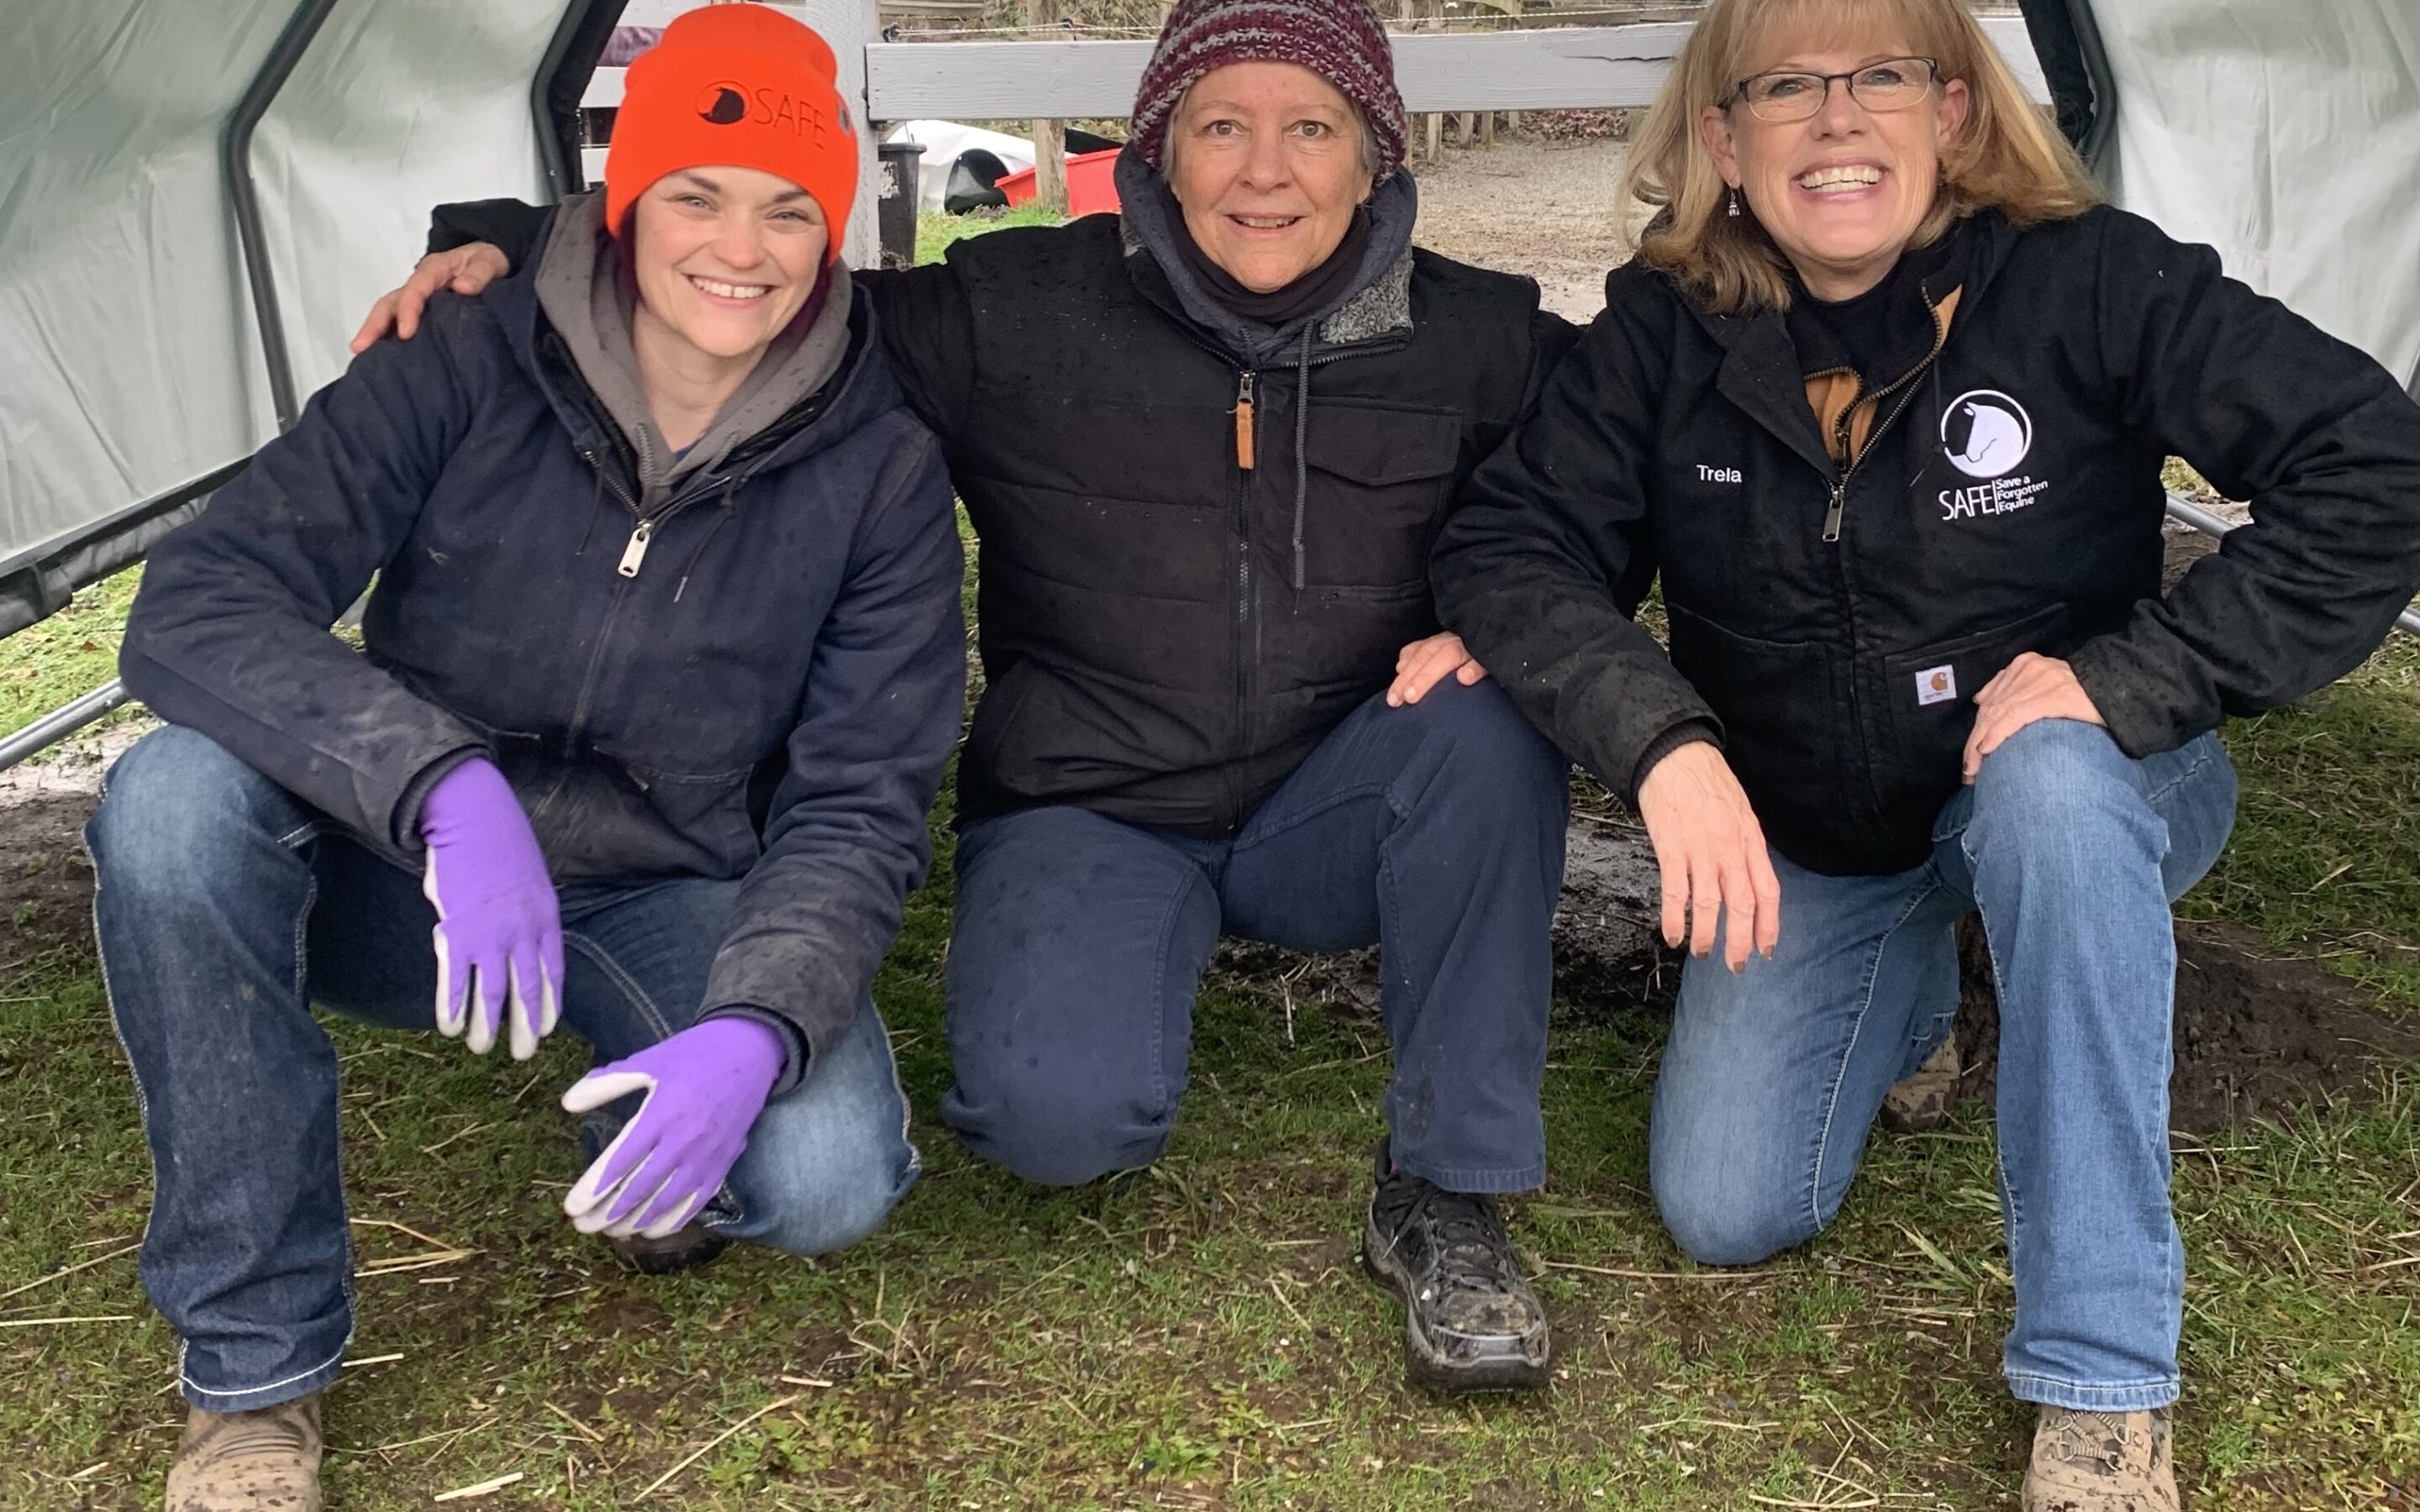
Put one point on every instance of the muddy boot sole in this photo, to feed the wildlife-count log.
(1517, 1364)
(685, 1250)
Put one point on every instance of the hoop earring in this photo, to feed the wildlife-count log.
(1735, 209)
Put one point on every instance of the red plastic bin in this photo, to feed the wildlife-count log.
(1092, 183)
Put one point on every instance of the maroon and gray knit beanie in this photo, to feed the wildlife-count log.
(1340, 40)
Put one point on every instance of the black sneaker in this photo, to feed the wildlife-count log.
(1470, 1321)
(684, 1249)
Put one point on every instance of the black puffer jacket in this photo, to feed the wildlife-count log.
(1831, 625)
(1160, 648)
(1167, 632)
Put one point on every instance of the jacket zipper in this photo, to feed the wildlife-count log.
(634, 553)
(1246, 459)
(633, 556)
(1247, 413)
(1840, 428)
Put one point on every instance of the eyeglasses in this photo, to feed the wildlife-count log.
(1894, 83)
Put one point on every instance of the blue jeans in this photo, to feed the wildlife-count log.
(1434, 831)
(2072, 852)
(227, 907)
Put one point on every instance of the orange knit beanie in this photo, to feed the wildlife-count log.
(738, 85)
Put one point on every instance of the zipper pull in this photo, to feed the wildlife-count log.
(1244, 436)
(1832, 515)
(636, 553)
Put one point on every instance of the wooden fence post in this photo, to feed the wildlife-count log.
(1049, 137)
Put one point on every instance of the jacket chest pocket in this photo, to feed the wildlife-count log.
(1378, 482)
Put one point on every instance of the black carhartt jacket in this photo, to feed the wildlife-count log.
(1831, 620)
(1172, 613)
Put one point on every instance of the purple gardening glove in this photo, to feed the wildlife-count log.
(704, 1088)
(499, 938)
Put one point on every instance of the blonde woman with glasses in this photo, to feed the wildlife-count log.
(1884, 398)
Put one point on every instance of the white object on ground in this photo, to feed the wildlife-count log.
(943, 143)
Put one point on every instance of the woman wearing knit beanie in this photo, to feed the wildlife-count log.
(590, 770)
(1206, 444)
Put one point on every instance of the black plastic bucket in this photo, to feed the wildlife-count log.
(901, 168)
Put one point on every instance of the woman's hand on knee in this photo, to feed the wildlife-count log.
(1428, 661)
(1711, 853)
(704, 1089)
(465, 270)
(2028, 689)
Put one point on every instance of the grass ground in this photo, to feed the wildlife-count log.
(934, 233)
(67, 655)
(1199, 1336)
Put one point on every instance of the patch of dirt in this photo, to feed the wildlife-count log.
(1529, 206)
(45, 877)
(1607, 952)
(2256, 1033)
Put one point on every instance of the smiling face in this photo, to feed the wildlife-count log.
(726, 256)
(1842, 191)
(1267, 161)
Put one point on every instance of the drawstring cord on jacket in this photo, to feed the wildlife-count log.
(1301, 435)
(595, 502)
(730, 486)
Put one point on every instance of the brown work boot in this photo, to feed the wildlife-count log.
(1921, 1103)
(2100, 1462)
(264, 1461)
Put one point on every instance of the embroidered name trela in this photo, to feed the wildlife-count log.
(2001, 496)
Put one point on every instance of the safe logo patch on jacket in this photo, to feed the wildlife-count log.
(1986, 434)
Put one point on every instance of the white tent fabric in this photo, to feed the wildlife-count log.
(2287, 135)
(133, 365)
(395, 108)
(122, 303)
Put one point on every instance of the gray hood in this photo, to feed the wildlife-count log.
(588, 294)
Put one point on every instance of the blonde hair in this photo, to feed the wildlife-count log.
(2007, 157)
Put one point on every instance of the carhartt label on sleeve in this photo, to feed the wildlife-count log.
(1936, 684)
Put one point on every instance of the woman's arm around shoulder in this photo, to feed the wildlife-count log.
(230, 633)
(1544, 561)
(2322, 441)
(846, 839)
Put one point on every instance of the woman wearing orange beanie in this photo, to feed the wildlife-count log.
(663, 665)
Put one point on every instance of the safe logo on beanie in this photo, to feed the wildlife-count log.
(1340, 40)
(739, 86)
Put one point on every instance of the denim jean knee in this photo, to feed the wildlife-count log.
(826, 1161)
(176, 803)
(1729, 1219)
